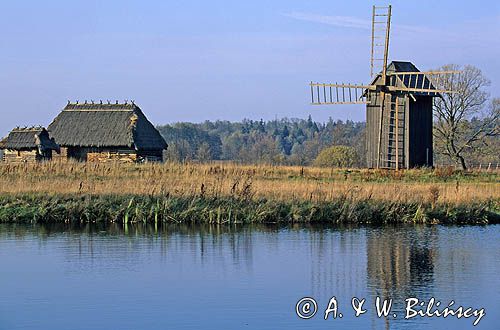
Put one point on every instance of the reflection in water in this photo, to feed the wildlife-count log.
(400, 263)
(336, 261)
(257, 272)
(88, 245)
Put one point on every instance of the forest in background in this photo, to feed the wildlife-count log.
(279, 141)
(288, 142)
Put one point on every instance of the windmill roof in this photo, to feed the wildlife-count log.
(408, 80)
(105, 125)
(401, 66)
(28, 138)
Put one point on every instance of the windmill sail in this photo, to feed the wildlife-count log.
(381, 26)
(380, 51)
(338, 93)
(420, 82)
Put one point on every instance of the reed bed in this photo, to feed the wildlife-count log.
(231, 180)
(231, 193)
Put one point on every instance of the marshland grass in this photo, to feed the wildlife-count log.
(41, 208)
(230, 193)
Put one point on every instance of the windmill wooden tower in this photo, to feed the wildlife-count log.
(398, 103)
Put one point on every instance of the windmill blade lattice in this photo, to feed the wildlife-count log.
(380, 39)
(421, 82)
(322, 93)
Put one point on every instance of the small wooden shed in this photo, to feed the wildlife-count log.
(106, 132)
(28, 145)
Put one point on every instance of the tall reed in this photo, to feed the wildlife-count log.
(282, 183)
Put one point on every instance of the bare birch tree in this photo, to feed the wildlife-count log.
(452, 112)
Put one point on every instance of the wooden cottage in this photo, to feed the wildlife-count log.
(106, 132)
(28, 145)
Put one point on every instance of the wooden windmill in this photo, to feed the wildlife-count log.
(398, 103)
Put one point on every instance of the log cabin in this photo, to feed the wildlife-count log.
(31, 144)
(105, 132)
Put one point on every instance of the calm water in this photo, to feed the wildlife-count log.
(205, 277)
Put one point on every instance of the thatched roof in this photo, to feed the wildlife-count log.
(105, 125)
(27, 139)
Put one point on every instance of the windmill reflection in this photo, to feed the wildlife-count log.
(400, 261)
(400, 264)
(388, 262)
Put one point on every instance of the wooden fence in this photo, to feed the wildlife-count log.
(487, 167)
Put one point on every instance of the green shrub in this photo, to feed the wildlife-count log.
(337, 156)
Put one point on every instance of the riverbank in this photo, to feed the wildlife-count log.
(42, 208)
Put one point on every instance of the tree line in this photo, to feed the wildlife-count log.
(300, 142)
(280, 141)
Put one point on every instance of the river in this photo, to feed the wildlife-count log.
(243, 277)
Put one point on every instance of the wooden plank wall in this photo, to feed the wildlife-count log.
(406, 147)
(420, 149)
(418, 140)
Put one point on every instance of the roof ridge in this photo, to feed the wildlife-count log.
(101, 110)
(107, 103)
(28, 129)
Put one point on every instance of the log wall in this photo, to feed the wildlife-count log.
(61, 156)
(104, 157)
(107, 155)
(14, 156)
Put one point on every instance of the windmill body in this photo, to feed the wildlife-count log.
(410, 111)
(399, 102)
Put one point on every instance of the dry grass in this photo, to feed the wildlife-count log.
(271, 182)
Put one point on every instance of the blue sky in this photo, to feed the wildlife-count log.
(196, 60)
